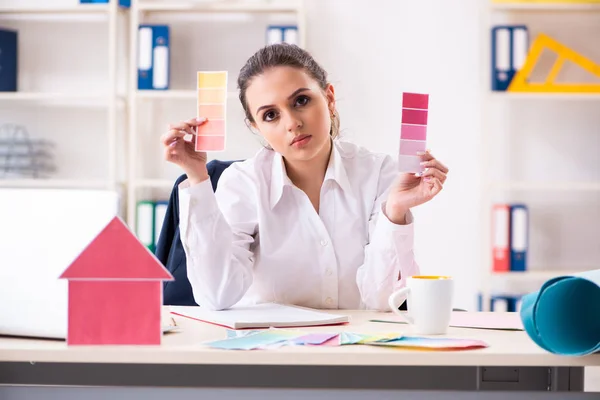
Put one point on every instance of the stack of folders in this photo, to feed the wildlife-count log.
(502, 303)
(150, 216)
(282, 34)
(153, 57)
(122, 3)
(510, 237)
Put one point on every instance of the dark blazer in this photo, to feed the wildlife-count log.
(169, 249)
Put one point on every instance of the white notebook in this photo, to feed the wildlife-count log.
(261, 316)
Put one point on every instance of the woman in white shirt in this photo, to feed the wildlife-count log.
(311, 220)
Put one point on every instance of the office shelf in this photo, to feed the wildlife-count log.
(174, 94)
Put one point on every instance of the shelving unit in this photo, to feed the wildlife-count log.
(108, 100)
(174, 94)
(74, 9)
(560, 7)
(494, 282)
(53, 183)
(175, 12)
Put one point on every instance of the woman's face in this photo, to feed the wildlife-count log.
(291, 112)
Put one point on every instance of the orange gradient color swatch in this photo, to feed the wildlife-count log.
(212, 105)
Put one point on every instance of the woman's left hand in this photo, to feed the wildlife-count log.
(410, 190)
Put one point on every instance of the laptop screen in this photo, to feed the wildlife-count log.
(41, 232)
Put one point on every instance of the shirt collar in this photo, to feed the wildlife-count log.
(335, 172)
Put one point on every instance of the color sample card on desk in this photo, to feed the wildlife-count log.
(212, 101)
(413, 131)
(275, 338)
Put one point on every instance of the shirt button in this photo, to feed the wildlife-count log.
(324, 242)
(328, 272)
(329, 301)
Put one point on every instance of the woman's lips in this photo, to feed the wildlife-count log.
(301, 140)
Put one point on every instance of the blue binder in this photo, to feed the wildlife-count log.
(122, 3)
(8, 60)
(510, 44)
(153, 57)
(511, 302)
(282, 34)
(519, 237)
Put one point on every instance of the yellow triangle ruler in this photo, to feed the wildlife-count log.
(520, 82)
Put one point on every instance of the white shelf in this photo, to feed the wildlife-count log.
(546, 96)
(220, 7)
(75, 9)
(55, 183)
(535, 274)
(71, 99)
(549, 6)
(548, 186)
(174, 94)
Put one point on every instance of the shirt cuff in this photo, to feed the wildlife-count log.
(198, 200)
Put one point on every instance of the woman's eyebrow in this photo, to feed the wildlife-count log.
(289, 97)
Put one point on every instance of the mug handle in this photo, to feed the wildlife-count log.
(394, 304)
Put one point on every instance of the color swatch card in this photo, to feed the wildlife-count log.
(275, 338)
(212, 101)
(413, 131)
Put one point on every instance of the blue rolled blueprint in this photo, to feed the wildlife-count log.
(563, 317)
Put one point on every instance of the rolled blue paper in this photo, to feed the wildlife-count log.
(563, 317)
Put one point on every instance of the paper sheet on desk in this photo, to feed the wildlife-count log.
(563, 317)
(508, 321)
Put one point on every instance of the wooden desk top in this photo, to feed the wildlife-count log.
(507, 348)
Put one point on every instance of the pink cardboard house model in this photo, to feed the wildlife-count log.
(115, 291)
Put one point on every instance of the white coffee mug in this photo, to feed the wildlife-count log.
(429, 303)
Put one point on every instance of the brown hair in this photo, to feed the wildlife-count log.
(283, 54)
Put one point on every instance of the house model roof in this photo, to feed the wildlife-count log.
(116, 254)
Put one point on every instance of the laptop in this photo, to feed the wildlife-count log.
(41, 232)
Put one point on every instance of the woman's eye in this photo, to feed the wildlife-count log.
(302, 100)
(269, 116)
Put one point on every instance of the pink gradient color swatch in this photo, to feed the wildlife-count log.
(413, 132)
(411, 147)
(415, 117)
(415, 100)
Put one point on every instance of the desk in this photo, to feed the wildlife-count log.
(511, 363)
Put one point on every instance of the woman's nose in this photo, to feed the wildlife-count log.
(292, 122)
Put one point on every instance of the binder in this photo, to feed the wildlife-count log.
(500, 237)
(153, 57)
(144, 227)
(519, 232)
(503, 303)
(122, 3)
(160, 211)
(510, 44)
(282, 34)
(8, 60)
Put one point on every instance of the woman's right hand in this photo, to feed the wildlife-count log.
(182, 153)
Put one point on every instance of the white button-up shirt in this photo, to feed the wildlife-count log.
(259, 238)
